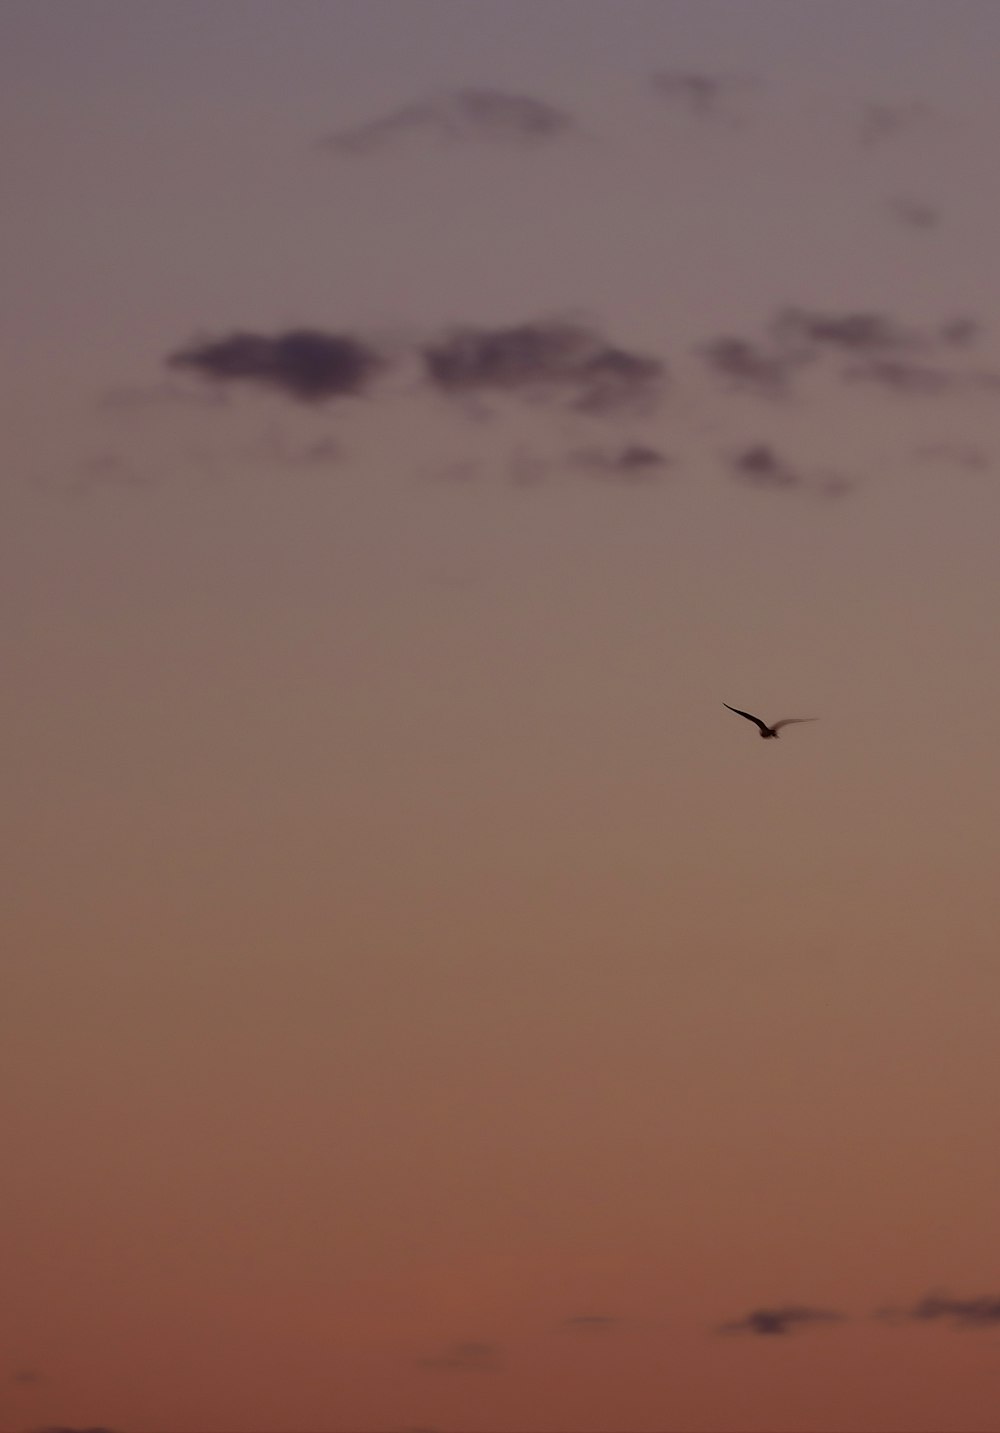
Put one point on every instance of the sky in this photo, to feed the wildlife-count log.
(425, 1006)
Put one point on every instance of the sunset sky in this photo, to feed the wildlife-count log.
(424, 1006)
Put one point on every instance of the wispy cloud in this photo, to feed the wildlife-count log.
(795, 338)
(771, 1322)
(743, 364)
(701, 95)
(961, 332)
(807, 332)
(633, 463)
(914, 213)
(762, 467)
(545, 359)
(881, 122)
(303, 363)
(982, 1311)
(920, 380)
(27, 1377)
(469, 1357)
(458, 116)
(65, 1428)
(855, 346)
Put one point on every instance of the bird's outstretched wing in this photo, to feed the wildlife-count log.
(756, 720)
(790, 721)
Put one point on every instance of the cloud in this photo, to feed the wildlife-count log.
(544, 359)
(795, 338)
(807, 332)
(633, 463)
(760, 466)
(304, 363)
(591, 1323)
(859, 345)
(703, 96)
(980, 1312)
(914, 213)
(458, 116)
(921, 380)
(882, 122)
(961, 332)
(470, 1357)
(770, 1322)
(26, 1377)
(743, 364)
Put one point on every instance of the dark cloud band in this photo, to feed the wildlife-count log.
(302, 363)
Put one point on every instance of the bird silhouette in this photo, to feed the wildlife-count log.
(769, 731)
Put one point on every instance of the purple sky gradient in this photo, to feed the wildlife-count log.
(424, 1004)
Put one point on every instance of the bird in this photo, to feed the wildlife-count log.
(769, 731)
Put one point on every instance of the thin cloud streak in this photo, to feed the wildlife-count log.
(982, 1311)
(458, 116)
(468, 1357)
(634, 463)
(306, 364)
(779, 1321)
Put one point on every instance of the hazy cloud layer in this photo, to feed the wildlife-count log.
(458, 116)
(575, 370)
(770, 1322)
(306, 364)
(546, 359)
(469, 1357)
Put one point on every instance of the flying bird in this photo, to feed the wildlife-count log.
(768, 731)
